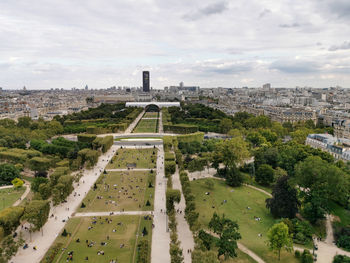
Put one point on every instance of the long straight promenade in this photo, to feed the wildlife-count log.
(160, 234)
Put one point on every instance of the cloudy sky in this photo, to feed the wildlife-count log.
(229, 43)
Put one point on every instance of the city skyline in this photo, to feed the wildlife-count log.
(203, 43)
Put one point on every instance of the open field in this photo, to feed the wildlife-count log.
(151, 115)
(135, 158)
(118, 232)
(117, 191)
(10, 195)
(236, 208)
(146, 125)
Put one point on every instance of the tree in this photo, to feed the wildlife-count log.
(39, 164)
(284, 202)
(36, 213)
(234, 177)
(278, 238)
(45, 190)
(24, 122)
(315, 206)
(206, 239)
(264, 175)
(228, 235)
(230, 152)
(8, 172)
(341, 259)
(17, 183)
(172, 195)
(37, 182)
(225, 125)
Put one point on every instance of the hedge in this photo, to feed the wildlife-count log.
(180, 128)
(198, 136)
(10, 218)
(88, 156)
(170, 167)
(103, 143)
(89, 138)
(168, 156)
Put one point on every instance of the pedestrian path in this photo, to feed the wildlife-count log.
(183, 230)
(129, 170)
(134, 123)
(24, 195)
(160, 234)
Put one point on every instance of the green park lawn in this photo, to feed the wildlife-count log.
(10, 195)
(238, 199)
(146, 125)
(128, 190)
(150, 115)
(126, 227)
(142, 158)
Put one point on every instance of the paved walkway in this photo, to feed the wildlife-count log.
(160, 235)
(133, 124)
(183, 230)
(113, 213)
(54, 227)
(6, 187)
(24, 195)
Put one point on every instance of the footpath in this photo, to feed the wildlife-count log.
(185, 235)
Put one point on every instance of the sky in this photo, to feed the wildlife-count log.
(231, 43)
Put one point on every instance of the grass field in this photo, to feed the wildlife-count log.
(151, 115)
(146, 125)
(10, 195)
(126, 228)
(238, 199)
(127, 190)
(142, 158)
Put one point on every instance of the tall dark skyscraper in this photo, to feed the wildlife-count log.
(145, 81)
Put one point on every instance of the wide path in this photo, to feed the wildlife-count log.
(134, 123)
(63, 212)
(183, 230)
(160, 234)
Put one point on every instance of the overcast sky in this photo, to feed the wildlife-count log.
(102, 43)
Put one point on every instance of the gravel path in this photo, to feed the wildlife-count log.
(134, 123)
(183, 230)
(160, 235)
(24, 195)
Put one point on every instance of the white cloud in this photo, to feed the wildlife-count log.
(103, 43)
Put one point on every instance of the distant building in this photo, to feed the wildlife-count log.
(145, 81)
(267, 86)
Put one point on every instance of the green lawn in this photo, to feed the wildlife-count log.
(343, 215)
(238, 199)
(146, 125)
(127, 190)
(125, 228)
(142, 158)
(150, 115)
(10, 195)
